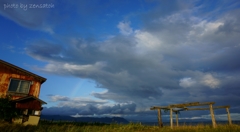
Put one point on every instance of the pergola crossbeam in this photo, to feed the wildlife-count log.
(216, 107)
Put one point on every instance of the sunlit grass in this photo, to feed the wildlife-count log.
(100, 127)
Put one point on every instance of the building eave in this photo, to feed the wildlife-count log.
(29, 98)
(42, 79)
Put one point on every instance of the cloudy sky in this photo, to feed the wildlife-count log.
(120, 57)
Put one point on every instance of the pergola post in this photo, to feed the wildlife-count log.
(160, 118)
(212, 115)
(177, 118)
(229, 117)
(171, 118)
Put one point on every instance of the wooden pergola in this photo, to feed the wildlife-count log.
(184, 107)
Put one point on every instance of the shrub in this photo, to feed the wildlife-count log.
(7, 109)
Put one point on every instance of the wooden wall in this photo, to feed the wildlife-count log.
(31, 104)
(6, 73)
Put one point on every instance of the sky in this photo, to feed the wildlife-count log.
(105, 58)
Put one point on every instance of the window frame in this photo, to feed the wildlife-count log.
(19, 83)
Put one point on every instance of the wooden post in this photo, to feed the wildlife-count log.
(177, 118)
(171, 118)
(229, 117)
(160, 118)
(212, 115)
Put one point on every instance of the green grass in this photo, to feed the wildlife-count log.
(100, 127)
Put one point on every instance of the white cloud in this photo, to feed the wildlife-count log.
(186, 82)
(204, 28)
(67, 68)
(146, 41)
(72, 67)
(202, 79)
(210, 81)
(76, 102)
(125, 28)
(58, 98)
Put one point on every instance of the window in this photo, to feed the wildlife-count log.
(36, 112)
(19, 86)
(32, 112)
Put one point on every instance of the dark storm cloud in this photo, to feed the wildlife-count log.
(87, 107)
(45, 50)
(114, 66)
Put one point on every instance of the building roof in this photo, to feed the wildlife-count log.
(42, 79)
(29, 98)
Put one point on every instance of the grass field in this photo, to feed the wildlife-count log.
(99, 127)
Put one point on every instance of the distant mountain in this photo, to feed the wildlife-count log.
(84, 119)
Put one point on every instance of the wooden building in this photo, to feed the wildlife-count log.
(24, 88)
